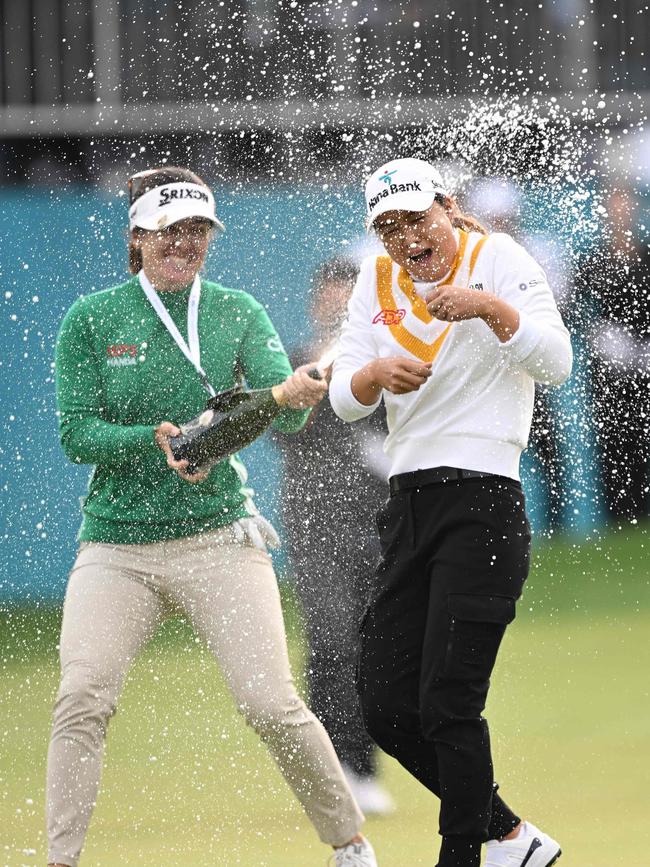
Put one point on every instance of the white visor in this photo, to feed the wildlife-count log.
(170, 203)
(402, 185)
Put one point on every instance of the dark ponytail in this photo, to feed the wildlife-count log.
(135, 254)
(155, 178)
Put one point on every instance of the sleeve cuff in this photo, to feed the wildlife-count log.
(140, 442)
(524, 340)
(343, 401)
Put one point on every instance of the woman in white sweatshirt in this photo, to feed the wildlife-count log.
(452, 328)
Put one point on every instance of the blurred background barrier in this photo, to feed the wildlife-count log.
(85, 65)
(65, 242)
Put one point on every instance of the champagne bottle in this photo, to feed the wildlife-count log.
(231, 420)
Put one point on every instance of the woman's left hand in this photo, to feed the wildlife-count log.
(300, 390)
(454, 304)
(161, 436)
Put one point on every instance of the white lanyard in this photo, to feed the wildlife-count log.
(193, 351)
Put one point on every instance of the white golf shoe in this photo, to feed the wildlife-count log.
(370, 795)
(355, 855)
(530, 848)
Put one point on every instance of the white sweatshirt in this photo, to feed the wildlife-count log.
(475, 410)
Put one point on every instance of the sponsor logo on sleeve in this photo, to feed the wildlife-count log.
(274, 344)
(536, 281)
(389, 317)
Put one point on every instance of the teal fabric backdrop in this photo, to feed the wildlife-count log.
(57, 245)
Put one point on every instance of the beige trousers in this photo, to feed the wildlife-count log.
(116, 598)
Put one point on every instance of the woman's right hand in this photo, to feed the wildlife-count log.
(396, 374)
(161, 435)
(301, 390)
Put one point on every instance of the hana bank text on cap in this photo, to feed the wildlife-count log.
(167, 204)
(403, 185)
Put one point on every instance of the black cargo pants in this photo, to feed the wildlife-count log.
(455, 556)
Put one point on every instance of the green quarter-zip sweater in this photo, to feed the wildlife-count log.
(119, 374)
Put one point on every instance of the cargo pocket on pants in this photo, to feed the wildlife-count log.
(476, 627)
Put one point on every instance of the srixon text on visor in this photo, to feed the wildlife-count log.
(166, 196)
(394, 188)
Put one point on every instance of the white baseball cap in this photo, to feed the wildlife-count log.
(169, 203)
(402, 185)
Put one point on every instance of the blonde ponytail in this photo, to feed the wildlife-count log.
(463, 221)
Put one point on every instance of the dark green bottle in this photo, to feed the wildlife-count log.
(231, 420)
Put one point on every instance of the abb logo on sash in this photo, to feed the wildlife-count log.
(389, 317)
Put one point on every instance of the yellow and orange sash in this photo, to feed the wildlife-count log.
(416, 346)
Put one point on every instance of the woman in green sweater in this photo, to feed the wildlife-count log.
(132, 362)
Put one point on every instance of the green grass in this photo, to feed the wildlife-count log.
(187, 783)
